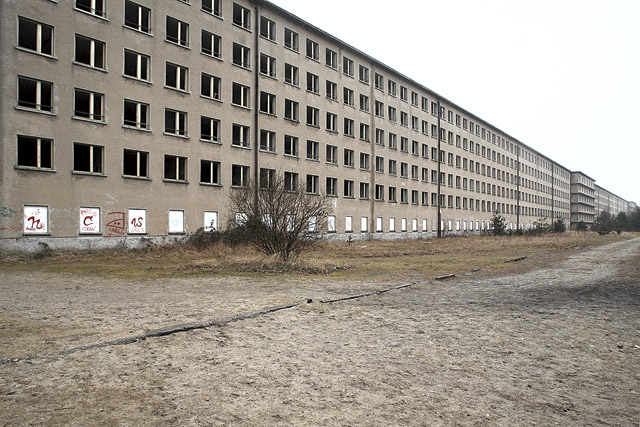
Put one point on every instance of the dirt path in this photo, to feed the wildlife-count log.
(558, 345)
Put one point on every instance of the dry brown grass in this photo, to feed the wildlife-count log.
(371, 259)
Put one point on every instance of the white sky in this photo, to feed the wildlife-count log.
(561, 76)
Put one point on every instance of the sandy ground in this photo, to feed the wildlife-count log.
(559, 345)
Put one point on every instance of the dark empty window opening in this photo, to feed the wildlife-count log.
(35, 152)
(35, 36)
(34, 94)
(87, 158)
(135, 163)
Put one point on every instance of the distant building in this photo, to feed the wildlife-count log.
(126, 119)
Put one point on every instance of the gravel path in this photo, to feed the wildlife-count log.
(558, 345)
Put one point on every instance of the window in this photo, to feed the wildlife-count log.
(241, 56)
(290, 181)
(393, 167)
(404, 144)
(414, 200)
(290, 39)
(348, 158)
(177, 77)
(425, 127)
(348, 97)
(348, 127)
(211, 44)
(392, 114)
(392, 88)
(267, 65)
(241, 17)
(209, 172)
(380, 137)
(313, 150)
(35, 94)
(175, 122)
(364, 161)
(135, 164)
(379, 192)
(364, 103)
(35, 152)
(414, 172)
(403, 93)
(239, 176)
(313, 83)
(35, 220)
(212, 7)
(267, 103)
(331, 58)
(415, 148)
(425, 104)
(332, 90)
(425, 174)
(209, 129)
(332, 154)
(313, 184)
(93, 7)
(88, 105)
(393, 141)
(404, 198)
(291, 110)
(313, 50)
(267, 141)
(414, 123)
(136, 65)
(332, 122)
(240, 95)
(240, 135)
(177, 32)
(379, 164)
(425, 151)
(414, 99)
(364, 132)
(176, 221)
(136, 114)
(90, 52)
(175, 168)
(425, 202)
(267, 28)
(347, 66)
(364, 190)
(35, 36)
(363, 74)
(393, 199)
(313, 116)
(348, 188)
(291, 145)
(291, 75)
(137, 17)
(87, 158)
(210, 86)
(267, 177)
(331, 188)
(404, 119)
(379, 109)
(404, 170)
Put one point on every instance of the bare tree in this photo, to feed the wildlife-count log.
(277, 217)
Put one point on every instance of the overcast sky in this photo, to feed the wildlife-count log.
(561, 76)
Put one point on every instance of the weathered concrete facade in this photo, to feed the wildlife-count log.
(134, 119)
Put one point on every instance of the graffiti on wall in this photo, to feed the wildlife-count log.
(6, 212)
(115, 225)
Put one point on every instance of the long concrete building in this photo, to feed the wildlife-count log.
(127, 119)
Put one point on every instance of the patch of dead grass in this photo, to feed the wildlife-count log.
(371, 259)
